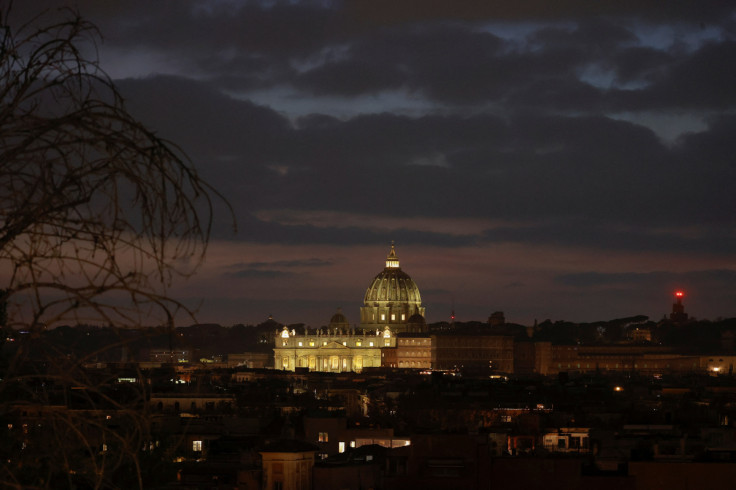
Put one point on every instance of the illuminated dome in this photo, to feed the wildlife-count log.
(391, 299)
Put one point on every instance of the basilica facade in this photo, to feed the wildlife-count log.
(392, 304)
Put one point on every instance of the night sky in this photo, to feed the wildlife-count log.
(566, 160)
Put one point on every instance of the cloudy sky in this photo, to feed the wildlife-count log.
(565, 160)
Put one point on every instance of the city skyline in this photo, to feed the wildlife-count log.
(565, 163)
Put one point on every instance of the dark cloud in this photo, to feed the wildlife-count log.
(612, 238)
(259, 274)
(701, 80)
(582, 177)
(388, 12)
(445, 61)
(657, 280)
(312, 262)
(205, 121)
(202, 29)
(539, 122)
(640, 64)
(343, 235)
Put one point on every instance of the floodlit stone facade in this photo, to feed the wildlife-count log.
(332, 352)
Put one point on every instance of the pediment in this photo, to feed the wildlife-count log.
(336, 346)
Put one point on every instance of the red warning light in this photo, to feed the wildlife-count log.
(679, 294)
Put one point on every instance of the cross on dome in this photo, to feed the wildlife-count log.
(392, 262)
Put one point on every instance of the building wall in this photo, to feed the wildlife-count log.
(524, 357)
(567, 440)
(293, 470)
(335, 353)
(394, 314)
(329, 432)
(183, 402)
(620, 358)
(414, 352)
(473, 351)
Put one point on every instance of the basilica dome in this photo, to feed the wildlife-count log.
(391, 299)
(392, 284)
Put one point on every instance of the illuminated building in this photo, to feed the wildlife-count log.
(331, 350)
(413, 351)
(393, 300)
(567, 440)
(392, 304)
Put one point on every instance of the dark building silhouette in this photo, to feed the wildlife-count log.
(678, 314)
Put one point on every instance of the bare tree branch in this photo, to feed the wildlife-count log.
(97, 217)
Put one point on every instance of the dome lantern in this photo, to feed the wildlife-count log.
(392, 262)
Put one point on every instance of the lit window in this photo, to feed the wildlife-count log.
(352, 443)
(358, 343)
(300, 343)
(393, 317)
(403, 317)
(197, 446)
(322, 437)
(387, 342)
(370, 343)
(383, 317)
(341, 447)
(311, 343)
(344, 343)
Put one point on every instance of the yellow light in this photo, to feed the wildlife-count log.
(618, 388)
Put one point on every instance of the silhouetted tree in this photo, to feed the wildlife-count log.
(97, 217)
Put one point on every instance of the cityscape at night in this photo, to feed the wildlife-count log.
(352, 244)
